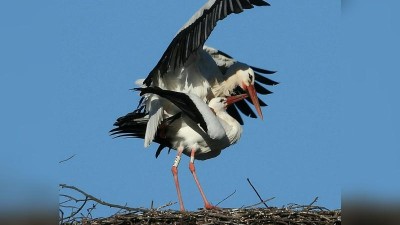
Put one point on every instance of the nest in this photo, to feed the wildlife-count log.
(293, 215)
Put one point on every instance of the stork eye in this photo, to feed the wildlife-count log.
(251, 77)
(222, 100)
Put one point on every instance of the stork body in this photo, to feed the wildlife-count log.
(174, 111)
(188, 66)
(189, 132)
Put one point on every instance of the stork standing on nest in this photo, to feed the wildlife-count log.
(202, 74)
(189, 130)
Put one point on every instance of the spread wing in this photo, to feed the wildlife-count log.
(195, 32)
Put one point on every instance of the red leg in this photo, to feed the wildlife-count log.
(174, 170)
(207, 205)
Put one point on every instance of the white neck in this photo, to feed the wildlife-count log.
(225, 87)
(232, 127)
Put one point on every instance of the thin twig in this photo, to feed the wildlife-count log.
(64, 160)
(225, 198)
(248, 180)
(70, 197)
(77, 211)
(65, 201)
(262, 202)
(68, 206)
(92, 198)
(89, 210)
(314, 201)
(166, 205)
(119, 211)
(62, 214)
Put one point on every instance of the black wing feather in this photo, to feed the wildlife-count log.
(133, 125)
(262, 103)
(264, 71)
(261, 90)
(259, 3)
(232, 111)
(245, 109)
(204, 24)
(181, 100)
(260, 78)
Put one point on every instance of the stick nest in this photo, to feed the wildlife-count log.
(293, 215)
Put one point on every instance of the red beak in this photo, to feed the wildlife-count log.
(232, 99)
(253, 96)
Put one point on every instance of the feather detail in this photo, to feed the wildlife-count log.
(214, 127)
(155, 118)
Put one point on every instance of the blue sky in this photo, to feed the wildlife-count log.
(331, 125)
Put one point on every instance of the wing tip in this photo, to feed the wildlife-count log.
(259, 3)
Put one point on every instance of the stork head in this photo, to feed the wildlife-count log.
(221, 103)
(240, 74)
(246, 82)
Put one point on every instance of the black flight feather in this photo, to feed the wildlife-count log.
(181, 100)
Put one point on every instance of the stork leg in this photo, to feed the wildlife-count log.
(192, 169)
(174, 170)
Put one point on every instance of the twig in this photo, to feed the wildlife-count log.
(89, 210)
(64, 160)
(166, 205)
(225, 198)
(70, 197)
(92, 198)
(262, 201)
(119, 211)
(314, 201)
(62, 214)
(77, 211)
(68, 206)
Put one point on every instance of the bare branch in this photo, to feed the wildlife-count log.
(166, 205)
(92, 198)
(64, 160)
(262, 201)
(314, 201)
(77, 211)
(226, 198)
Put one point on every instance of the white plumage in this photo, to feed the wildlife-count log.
(200, 131)
(186, 67)
(174, 110)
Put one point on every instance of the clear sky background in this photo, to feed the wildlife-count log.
(332, 125)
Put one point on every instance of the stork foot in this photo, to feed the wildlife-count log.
(208, 206)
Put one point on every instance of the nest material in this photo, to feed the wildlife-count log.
(292, 215)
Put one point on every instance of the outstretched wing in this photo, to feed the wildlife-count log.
(224, 61)
(196, 31)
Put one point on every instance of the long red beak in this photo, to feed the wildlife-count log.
(232, 99)
(253, 96)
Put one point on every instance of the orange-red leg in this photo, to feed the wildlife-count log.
(174, 170)
(207, 205)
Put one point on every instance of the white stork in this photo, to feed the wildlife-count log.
(188, 130)
(190, 67)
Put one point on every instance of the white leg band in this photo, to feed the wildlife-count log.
(176, 161)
